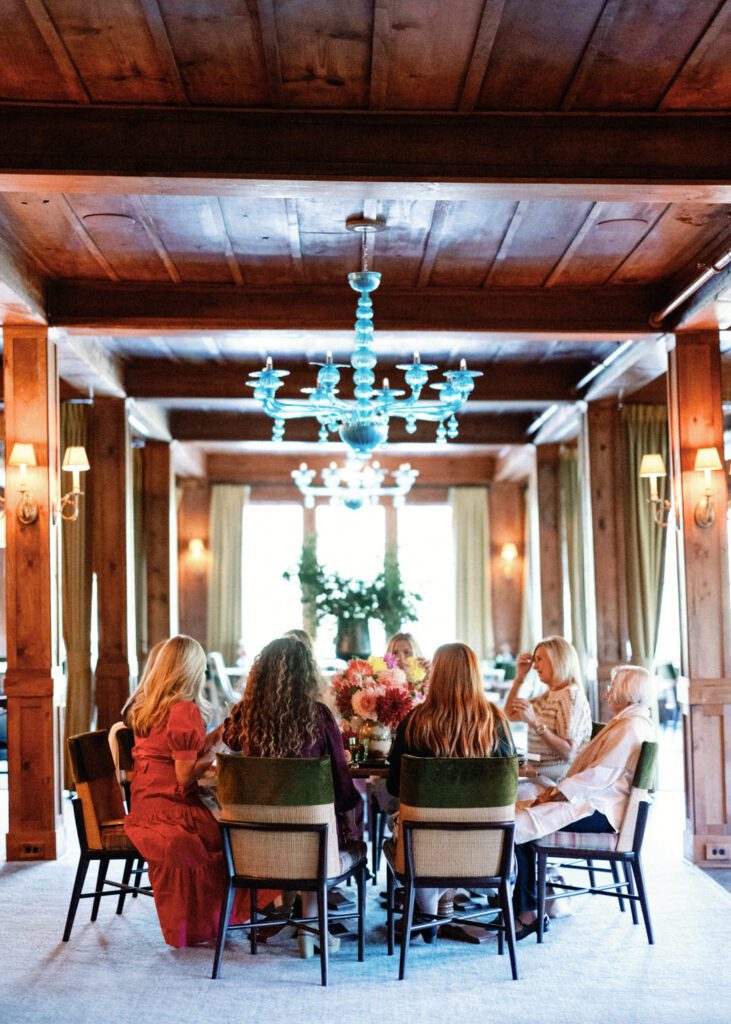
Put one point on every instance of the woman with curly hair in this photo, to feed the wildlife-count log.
(279, 716)
(170, 826)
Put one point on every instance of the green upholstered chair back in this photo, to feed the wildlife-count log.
(286, 791)
(641, 782)
(96, 784)
(460, 789)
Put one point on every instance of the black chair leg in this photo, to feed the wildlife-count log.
(390, 927)
(631, 891)
(640, 885)
(615, 875)
(541, 886)
(592, 873)
(382, 816)
(125, 881)
(373, 833)
(100, 879)
(406, 926)
(254, 917)
(138, 874)
(322, 927)
(226, 905)
(361, 912)
(506, 907)
(75, 894)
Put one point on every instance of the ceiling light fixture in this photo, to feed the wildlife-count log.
(354, 484)
(363, 421)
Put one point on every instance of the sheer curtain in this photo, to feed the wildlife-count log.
(571, 519)
(76, 585)
(644, 430)
(530, 611)
(225, 588)
(471, 538)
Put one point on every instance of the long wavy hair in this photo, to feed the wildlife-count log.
(408, 638)
(136, 697)
(277, 715)
(456, 719)
(177, 673)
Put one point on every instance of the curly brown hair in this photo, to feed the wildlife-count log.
(278, 713)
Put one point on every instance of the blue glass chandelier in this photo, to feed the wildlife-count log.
(355, 484)
(362, 422)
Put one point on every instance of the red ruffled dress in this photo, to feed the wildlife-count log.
(177, 835)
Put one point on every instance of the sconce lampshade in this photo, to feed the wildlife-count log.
(196, 548)
(652, 465)
(22, 455)
(707, 458)
(75, 458)
(509, 552)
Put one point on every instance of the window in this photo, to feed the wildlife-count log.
(351, 542)
(272, 544)
(426, 559)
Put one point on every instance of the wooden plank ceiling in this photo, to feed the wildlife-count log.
(182, 294)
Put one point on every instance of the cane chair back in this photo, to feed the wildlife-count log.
(639, 795)
(278, 791)
(98, 790)
(467, 790)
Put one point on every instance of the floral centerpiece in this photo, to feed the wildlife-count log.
(374, 695)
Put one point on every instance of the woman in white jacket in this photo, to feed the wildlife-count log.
(593, 797)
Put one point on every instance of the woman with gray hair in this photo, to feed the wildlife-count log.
(594, 794)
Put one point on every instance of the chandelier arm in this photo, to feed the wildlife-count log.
(290, 409)
(427, 413)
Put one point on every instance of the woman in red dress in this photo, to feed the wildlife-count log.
(175, 833)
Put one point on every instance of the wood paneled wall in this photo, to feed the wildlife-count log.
(507, 525)
(193, 524)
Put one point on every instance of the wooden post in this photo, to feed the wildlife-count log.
(194, 568)
(160, 542)
(696, 421)
(549, 533)
(33, 683)
(607, 528)
(507, 518)
(113, 557)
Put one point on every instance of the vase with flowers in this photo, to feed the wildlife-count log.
(373, 695)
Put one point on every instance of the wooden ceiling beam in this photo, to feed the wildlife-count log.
(623, 311)
(22, 290)
(502, 381)
(193, 425)
(598, 156)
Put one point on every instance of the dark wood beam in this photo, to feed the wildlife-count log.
(501, 381)
(190, 425)
(149, 307)
(600, 156)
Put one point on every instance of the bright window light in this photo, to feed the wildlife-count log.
(427, 567)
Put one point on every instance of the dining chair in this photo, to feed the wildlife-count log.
(616, 848)
(99, 816)
(279, 832)
(455, 830)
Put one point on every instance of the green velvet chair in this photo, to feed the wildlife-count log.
(99, 815)
(455, 829)
(616, 848)
(279, 832)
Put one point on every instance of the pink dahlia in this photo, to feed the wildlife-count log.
(393, 705)
(365, 703)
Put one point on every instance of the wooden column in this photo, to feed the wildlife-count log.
(607, 532)
(160, 541)
(33, 682)
(113, 557)
(549, 533)
(193, 569)
(696, 421)
(507, 518)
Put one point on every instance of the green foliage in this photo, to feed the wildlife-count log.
(325, 593)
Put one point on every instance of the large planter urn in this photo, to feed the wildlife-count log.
(353, 639)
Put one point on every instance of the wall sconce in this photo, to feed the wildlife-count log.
(651, 467)
(75, 461)
(508, 556)
(196, 549)
(707, 461)
(22, 456)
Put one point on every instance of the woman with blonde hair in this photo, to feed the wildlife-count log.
(175, 833)
(559, 718)
(139, 692)
(404, 646)
(455, 720)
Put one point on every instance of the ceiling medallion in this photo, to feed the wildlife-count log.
(363, 421)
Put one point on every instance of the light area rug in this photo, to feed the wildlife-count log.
(592, 967)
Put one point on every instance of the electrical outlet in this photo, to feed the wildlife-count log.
(718, 851)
